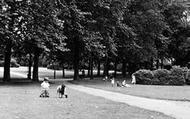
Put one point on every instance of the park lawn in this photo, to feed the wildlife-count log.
(177, 93)
(43, 72)
(21, 101)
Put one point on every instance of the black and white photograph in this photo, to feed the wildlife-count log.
(94, 59)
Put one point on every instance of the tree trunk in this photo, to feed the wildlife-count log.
(7, 62)
(63, 71)
(152, 63)
(115, 68)
(162, 64)
(30, 66)
(76, 59)
(35, 67)
(157, 63)
(99, 63)
(124, 68)
(91, 67)
(54, 71)
(8, 48)
(106, 67)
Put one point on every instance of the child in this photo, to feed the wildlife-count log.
(45, 87)
(133, 79)
(112, 80)
(61, 91)
(118, 84)
(124, 84)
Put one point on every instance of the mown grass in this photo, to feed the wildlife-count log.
(23, 102)
(178, 93)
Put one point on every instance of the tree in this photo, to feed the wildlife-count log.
(11, 19)
(41, 30)
(74, 30)
(146, 20)
(176, 16)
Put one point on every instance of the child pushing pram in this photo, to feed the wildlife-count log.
(45, 87)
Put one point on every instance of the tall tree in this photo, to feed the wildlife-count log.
(11, 20)
(147, 21)
(177, 18)
(42, 29)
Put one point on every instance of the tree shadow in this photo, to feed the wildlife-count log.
(18, 81)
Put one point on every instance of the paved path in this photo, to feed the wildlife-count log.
(176, 109)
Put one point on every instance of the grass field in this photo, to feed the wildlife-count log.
(21, 101)
(179, 93)
(150, 91)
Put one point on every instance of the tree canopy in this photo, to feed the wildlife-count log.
(136, 33)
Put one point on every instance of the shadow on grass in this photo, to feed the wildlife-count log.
(18, 81)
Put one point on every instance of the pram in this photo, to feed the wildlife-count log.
(44, 93)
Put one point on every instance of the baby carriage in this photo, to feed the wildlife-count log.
(44, 93)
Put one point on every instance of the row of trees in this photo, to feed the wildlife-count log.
(135, 33)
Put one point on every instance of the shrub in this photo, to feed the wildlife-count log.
(143, 76)
(175, 76)
(161, 76)
(177, 71)
(175, 80)
(168, 67)
(187, 75)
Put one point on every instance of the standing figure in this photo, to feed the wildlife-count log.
(112, 80)
(133, 79)
(45, 87)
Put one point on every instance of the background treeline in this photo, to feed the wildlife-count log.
(94, 33)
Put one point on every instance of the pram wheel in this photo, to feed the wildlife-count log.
(45, 94)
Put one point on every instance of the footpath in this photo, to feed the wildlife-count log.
(176, 109)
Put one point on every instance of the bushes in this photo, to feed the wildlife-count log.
(187, 76)
(175, 76)
(161, 76)
(143, 76)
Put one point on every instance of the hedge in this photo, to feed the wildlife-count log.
(175, 76)
(143, 76)
(161, 76)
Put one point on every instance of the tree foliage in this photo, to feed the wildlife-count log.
(136, 32)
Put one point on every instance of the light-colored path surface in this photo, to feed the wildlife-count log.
(178, 110)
